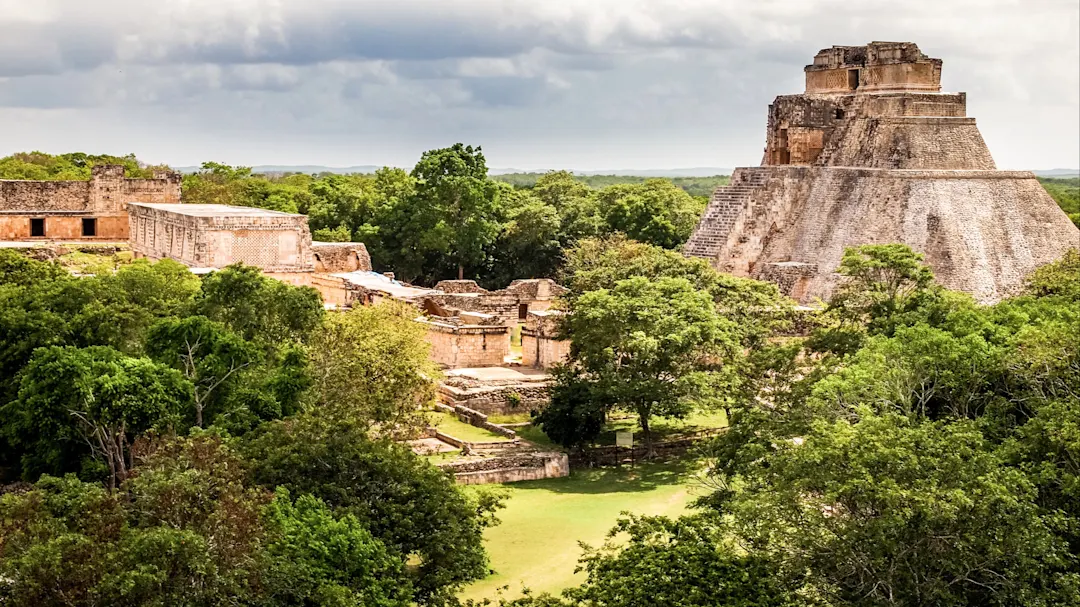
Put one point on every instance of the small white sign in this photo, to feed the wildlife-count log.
(624, 439)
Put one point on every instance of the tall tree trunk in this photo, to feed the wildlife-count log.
(649, 451)
(460, 272)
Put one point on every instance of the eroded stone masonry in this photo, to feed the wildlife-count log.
(873, 152)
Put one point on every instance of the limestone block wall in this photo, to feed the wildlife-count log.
(510, 305)
(44, 196)
(982, 231)
(64, 204)
(496, 399)
(214, 238)
(913, 142)
(464, 346)
(526, 466)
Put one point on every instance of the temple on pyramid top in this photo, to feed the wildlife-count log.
(876, 67)
(873, 152)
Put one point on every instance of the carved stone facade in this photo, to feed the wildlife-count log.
(79, 210)
(214, 236)
(873, 153)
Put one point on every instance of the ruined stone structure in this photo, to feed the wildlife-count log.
(541, 346)
(874, 153)
(214, 236)
(458, 342)
(333, 257)
(510, 305)
(494, 391)
(80, 210)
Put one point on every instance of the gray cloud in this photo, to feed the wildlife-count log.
(589, 84)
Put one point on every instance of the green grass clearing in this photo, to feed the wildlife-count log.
(536, 435)
(449, 424)
(536, 544)
(509, 418)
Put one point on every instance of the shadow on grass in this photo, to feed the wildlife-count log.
(642, 477)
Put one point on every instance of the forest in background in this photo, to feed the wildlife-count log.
(448, 217)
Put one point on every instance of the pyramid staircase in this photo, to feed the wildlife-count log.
(726, 205)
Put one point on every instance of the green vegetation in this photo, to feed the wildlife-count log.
(217, 441)
(694, 186)
(916, 449)
(537, 544)
(653, 334)
(1066, 192)
(71, 167)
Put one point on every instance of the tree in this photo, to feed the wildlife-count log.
(259, 308)
(576, 414)
(317, 558)
(881, 281)
(372, 365)
(1060, 278)
(655, 212)
(207, 353)
(892, 511)
(685, 562)
(188, 529)
(412, 507)
(74, 401)
(456, 204)
(756, 308)
(646, 346)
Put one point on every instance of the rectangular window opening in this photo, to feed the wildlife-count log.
(37, 227)
(523, 311)
(89, 226)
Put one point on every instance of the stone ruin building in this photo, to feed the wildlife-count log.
(205, 236)
(873, 152)
(80, 210)
(467, 326)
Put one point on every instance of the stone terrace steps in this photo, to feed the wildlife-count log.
(725, 206)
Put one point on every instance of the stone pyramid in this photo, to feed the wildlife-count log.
(872, 153)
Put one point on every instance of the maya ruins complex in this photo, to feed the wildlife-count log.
(873, 152)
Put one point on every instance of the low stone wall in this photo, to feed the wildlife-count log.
(497, 400)
(511, 468)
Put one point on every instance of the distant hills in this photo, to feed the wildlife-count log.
(1058, 173)
(684, 172)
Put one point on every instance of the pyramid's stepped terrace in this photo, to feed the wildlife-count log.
(872, 152)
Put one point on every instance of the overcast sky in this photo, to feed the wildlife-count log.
(585, 84)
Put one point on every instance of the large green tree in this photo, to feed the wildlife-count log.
(79, 402)
(188, 529)
(455, 205)
(647, 346)
(373, 365)
(412, 507)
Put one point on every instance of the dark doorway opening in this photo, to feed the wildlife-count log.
(838, 114)
(89, 226)
(523, 311)
(37, 227)
(853, 79)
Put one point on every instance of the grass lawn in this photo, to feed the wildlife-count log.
(536, 545)
(448, 424)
